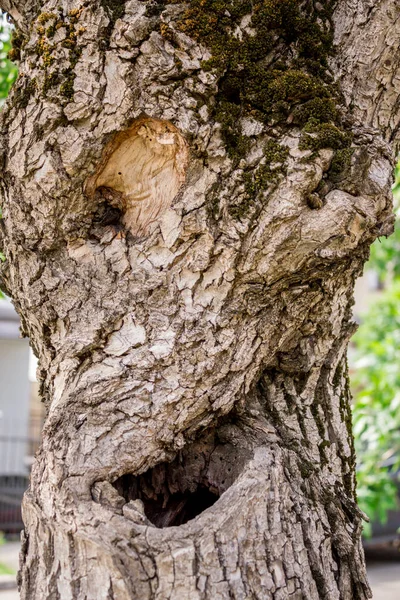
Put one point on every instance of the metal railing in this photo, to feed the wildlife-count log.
(16, 455)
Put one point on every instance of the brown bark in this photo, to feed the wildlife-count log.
(191, 338)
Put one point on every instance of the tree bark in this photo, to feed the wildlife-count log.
(189, 192)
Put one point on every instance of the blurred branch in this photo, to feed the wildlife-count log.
(12, 7)
(18, 10)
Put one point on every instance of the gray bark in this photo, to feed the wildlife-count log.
(191, 342)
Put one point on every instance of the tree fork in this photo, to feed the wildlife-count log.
(189, 192)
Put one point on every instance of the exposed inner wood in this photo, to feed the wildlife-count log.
(141, 172)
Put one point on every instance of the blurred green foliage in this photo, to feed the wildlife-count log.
(5, 570)
(8, 71)
(376, 383)
(377, 405)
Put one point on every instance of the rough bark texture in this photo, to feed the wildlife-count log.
(198, 439)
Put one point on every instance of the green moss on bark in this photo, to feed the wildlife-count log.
(341, 161)
(45, 16)
(259, 71)
(275, 158)
(324, 135)
(24, 89)
(47, 24)
(272, 59)
(115, 9)
(18, 41)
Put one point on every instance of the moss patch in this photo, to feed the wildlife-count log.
(18, 42)
(272, 59)
(341, 161)
(275, 158)
(114, 8)
(45, 16)
(275, 63)
(47, 24)
(318, 135)
(23, 90)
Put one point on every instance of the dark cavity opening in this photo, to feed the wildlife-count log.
(167, 509)
(108, 216)
(177, 492)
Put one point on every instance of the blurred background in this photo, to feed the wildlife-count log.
(374, 360)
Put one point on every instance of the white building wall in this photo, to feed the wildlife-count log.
(14, 394)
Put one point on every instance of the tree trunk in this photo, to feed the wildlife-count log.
(189, 192)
